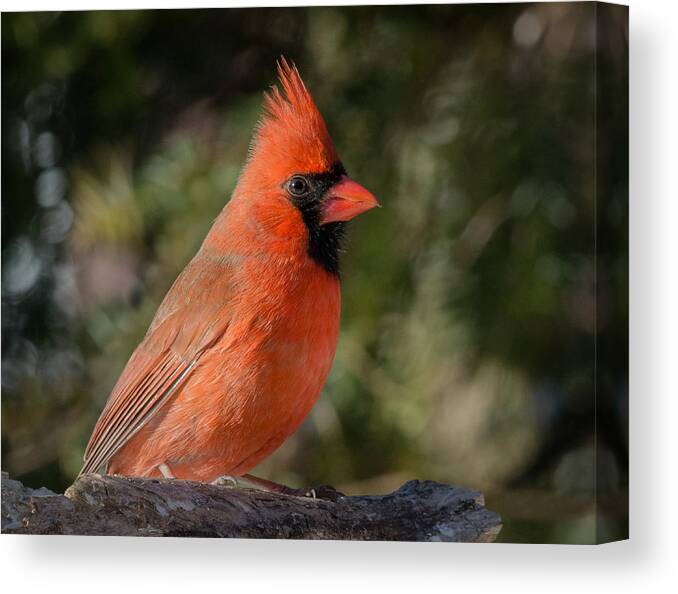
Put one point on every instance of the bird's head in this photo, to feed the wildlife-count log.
(294, 180)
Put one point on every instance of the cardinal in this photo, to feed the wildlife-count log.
(240, 348)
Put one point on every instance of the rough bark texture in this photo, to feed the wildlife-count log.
(113, 505)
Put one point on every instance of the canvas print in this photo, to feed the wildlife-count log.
(353, 273)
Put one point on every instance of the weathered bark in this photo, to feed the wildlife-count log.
(113, 505)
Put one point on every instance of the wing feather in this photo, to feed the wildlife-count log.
(125, 399)
(134, 409)
(192, 317)
(154, 373)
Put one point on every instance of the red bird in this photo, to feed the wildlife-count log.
(240, 348)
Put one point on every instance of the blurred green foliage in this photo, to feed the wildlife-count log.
(474, 303)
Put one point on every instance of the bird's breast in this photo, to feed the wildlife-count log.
(274, 359)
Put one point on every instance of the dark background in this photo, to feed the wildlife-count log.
(475, 303)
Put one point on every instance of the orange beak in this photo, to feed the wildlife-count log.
(345, 200)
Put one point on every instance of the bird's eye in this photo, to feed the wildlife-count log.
(298, 186)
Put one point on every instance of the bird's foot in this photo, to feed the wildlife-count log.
(322, 492)
(248, 481)
(226, 481)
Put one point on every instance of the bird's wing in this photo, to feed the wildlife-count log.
(156, 370)
(185, 326)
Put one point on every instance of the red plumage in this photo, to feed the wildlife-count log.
(241, 346)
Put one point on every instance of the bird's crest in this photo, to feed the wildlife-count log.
(292, 133)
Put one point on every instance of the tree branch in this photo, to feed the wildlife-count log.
(114, 505)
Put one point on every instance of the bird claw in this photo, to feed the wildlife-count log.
(226, 481)
(247, 481)
(322, 492)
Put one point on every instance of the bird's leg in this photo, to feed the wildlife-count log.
(321, 492)
(254, 482)
(165, 470)
(273, 487)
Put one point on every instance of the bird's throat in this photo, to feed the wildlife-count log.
(324, 244)
(324, 241)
